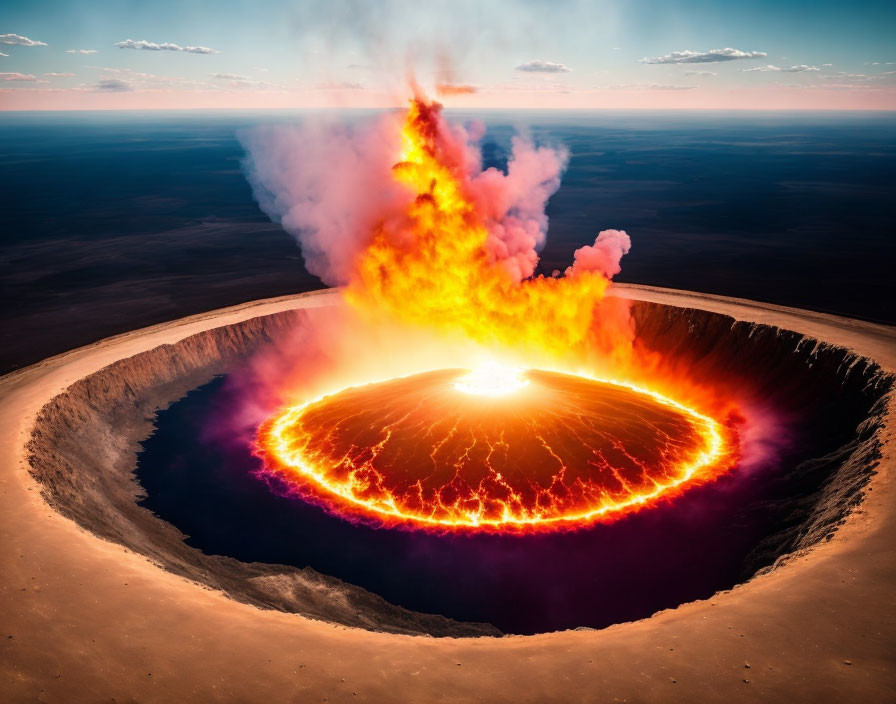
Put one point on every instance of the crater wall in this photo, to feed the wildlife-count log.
(84, 444)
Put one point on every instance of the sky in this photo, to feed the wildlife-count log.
(622, 54)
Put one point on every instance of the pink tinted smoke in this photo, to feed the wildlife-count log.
(328, 184)
(603, 256)
(331, 187)
(513, 204)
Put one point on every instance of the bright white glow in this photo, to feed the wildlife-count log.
(492, 379)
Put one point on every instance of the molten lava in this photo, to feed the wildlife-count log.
(453, 450)
(492, 379)
(500, 447)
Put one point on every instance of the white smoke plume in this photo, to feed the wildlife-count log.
(330, 185)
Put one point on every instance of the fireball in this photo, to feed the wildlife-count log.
(522, 445)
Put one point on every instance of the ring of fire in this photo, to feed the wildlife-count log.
(436, 451)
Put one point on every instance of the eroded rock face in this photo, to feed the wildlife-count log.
(84, 444)
(83, 451)
(839, 396)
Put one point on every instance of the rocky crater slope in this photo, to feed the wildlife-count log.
(84, 445)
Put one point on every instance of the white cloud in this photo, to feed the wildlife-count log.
(128, 73)
(144, 45)
(251, 84)
(538, 66)
(22, 77)
(842, 76)
(523, 85)
(139, 80)
(700, 73)
(18, 40)
(113, 85)
(858, 79)
(340, 85)
(80, 51)
(199, 50)
(649, 86)
(780, 69)
(703, 57)
(230, 76)
(59, 75)
(2, 54)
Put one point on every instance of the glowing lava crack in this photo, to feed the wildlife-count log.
(523, 450)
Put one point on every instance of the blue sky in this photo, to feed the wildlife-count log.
(349, 52)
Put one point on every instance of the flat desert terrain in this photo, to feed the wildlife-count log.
(85, 620)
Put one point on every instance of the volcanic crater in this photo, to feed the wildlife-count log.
(295, 557)
(452, 450)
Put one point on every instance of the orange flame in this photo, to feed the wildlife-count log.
(431, 268)
(437, 273)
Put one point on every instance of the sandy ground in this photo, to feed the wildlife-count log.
(84, 620)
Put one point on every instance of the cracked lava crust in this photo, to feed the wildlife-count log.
(516, 451)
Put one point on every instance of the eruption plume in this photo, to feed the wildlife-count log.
(409, 220)
(402, 215)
